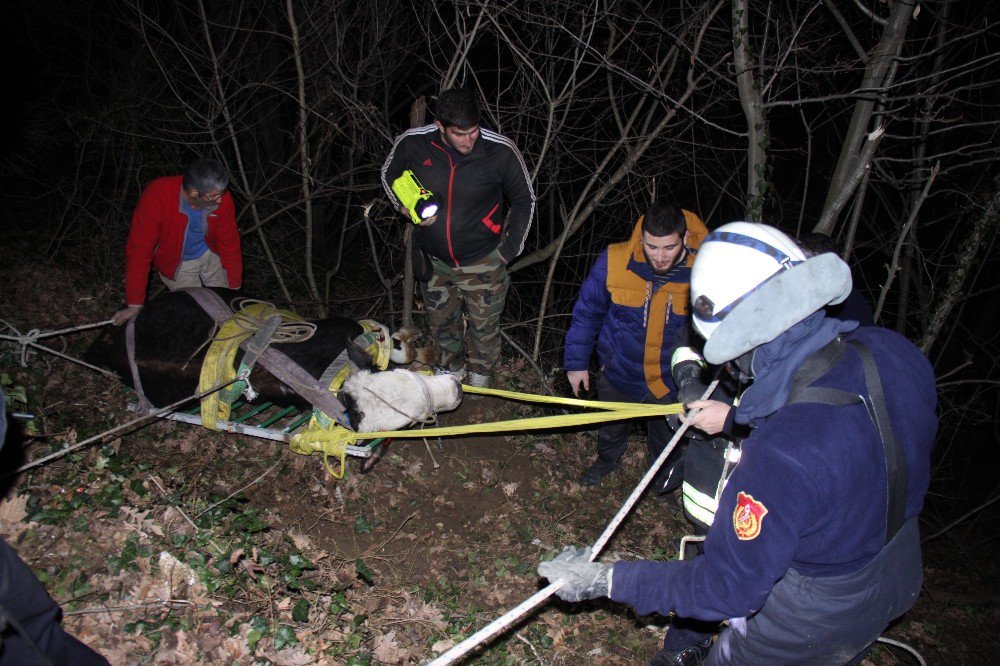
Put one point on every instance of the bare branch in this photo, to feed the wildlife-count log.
(894, 265)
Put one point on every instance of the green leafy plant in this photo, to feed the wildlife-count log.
(15, 398)
(365, 525)
(300, 611)
(284, 636)
(364, 572)
(258, 629)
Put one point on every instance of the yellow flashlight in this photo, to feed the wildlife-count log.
(418, 200)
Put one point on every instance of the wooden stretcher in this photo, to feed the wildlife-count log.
(273, 422)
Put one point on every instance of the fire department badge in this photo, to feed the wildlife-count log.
(748, 516)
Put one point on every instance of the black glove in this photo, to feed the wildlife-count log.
(687, 377)
(583, 579)
(691, 391)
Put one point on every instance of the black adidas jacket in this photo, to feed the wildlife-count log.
(472, 190)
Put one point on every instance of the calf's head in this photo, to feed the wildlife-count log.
(405, 351)
(391, 400)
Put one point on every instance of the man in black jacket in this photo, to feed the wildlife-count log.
(477, 176)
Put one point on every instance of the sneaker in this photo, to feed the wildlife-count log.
(692, 655)
(599, 469)
(459, 374)
(478, 380)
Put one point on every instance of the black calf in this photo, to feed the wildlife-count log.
(172, 335)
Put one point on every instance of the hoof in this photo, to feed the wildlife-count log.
(368, 464)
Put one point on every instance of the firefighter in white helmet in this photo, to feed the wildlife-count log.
(815, 548)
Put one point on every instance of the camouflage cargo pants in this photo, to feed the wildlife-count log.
(476, 293)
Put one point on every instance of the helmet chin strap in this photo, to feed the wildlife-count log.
(741, 367)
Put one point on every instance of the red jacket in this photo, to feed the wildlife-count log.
(157, 237)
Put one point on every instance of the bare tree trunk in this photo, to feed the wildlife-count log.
(852, 227)
(418, 116)
(466, 38)
(304, 159)
(907, 275)
(856, 153)
(241, 170)
(340, 253)
(903, 235)
(862, 165)
(807, 174)
(981, 228)
(753, 109)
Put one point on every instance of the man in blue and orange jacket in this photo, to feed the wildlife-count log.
(633, 304)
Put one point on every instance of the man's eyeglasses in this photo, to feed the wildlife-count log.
(214, 197)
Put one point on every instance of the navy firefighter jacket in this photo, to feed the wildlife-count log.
(633, 314)
(810, 489)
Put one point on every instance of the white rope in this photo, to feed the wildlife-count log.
(514, 615)
(903, 646)
(154, 414)
(288, 332)
(31, 338)
(50, 334)
(430, 414)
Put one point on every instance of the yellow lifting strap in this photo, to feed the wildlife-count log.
(333, 440)
(377, 343)
(217, 367)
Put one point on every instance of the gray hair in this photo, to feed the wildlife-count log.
(205, 175)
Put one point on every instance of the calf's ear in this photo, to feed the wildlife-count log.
(359, 356)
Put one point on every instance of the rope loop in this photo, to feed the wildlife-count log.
(27, 340)
(249, 315)
(31, 338)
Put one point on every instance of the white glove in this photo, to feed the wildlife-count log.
(583, 579)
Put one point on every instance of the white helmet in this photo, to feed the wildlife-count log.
(751, 282)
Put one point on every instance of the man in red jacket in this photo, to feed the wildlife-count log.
(185, 227)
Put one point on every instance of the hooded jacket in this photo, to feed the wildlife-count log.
(156, 237)
(809, 493)
(633, 314)
(471, 190)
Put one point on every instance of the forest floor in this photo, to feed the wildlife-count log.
(175, 545)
